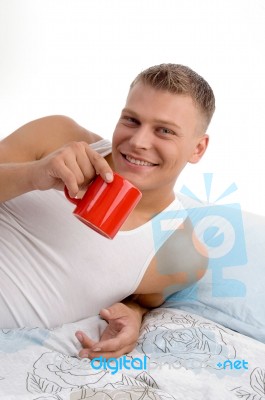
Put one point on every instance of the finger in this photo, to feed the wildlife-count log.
(65, 175)
(64, 167)
(84, 339)
(86, 342)
(72, 165)
(112, 354)
(84, 164)
(79, 177)
(78, 162)
(126, 337)
(100, 165)
(117, 310)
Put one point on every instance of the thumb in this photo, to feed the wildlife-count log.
(113, 312)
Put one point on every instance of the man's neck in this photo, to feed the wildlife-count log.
(154, 202)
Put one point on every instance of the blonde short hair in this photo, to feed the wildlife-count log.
(179, 79)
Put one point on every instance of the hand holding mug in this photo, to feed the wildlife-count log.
(105, 206)
(73, 165)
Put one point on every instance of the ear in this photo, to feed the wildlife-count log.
(200, 149)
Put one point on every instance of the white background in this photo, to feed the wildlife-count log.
(78, 57)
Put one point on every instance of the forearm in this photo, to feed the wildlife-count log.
(146, 301)
(15, 179)
(21, 151)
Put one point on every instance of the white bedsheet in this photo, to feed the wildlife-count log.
(184, 353)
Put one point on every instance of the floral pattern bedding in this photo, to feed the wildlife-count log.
(179, 356)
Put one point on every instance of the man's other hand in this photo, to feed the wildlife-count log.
(121, 334)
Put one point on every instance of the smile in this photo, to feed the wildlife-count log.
(138, 162)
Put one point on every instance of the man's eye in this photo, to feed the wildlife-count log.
(130, 120)
(166, 131)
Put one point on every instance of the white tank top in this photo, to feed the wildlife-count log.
(55, 270)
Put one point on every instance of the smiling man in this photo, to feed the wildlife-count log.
(55, 270)
(157, 134)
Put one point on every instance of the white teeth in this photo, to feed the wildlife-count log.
(138, 162)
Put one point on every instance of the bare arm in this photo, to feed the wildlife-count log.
(48, 153)
(180, 262)
(121, 334)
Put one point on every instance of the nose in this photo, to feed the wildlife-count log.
(141, 138)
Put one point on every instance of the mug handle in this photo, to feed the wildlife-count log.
(71, 199)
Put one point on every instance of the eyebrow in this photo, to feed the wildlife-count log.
(159, 121)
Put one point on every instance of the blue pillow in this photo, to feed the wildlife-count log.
(232, 292)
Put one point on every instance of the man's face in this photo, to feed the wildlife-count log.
(155, 137)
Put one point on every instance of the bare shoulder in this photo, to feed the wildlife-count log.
(179, 262)
(42, 136)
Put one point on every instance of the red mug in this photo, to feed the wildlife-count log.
(105, 206)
